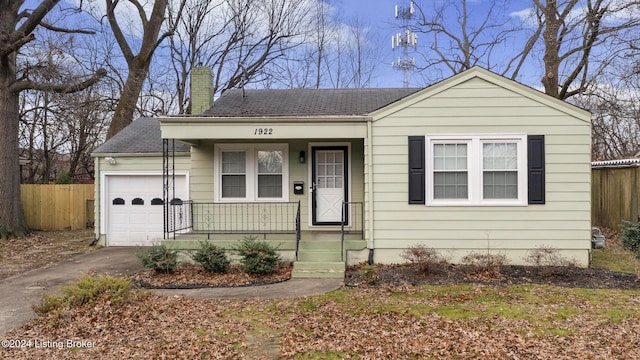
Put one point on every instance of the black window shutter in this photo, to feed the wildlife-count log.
(535, 168)
(416, 170)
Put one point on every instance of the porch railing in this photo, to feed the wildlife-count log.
(352, 222)
(298, 230)
(234, 218)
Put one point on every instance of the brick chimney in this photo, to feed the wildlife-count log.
(201, 89)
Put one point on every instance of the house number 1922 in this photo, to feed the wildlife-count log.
(263, 131)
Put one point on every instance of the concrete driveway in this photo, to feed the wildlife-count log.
(19, 292)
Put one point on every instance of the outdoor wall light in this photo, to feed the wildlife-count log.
(303, 157)
(110, 160)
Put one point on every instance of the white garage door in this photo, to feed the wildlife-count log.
(135, 208)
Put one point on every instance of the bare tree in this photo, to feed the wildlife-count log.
(324, 30)
(260, 33)
(357, 57)
(238, 39)
(54, 128)
(577, 39)
(615, 104)
(459, 35)
(197, 33)
(137, 64)
(572, 32)
(335, 54)
(17, 26)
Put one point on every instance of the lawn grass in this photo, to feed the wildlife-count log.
(410, 322)
(615, 259)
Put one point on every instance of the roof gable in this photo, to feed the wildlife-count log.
(490, 77)
(304, 102)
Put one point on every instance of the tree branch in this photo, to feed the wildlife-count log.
(13, 47)
(117, 32)
(141, 12)
(62, 89)
(65, 30)
(33, 20)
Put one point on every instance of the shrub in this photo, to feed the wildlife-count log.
(86, 290)
(159, 258)
(547, 256)
(630, 236)
(257, 257)
(212, 258)
(550, 260)
(427, 259)
(484, 263)
(49, 304)
(64, 178)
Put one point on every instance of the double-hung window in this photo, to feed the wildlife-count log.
(476, 170)
(251, 172)
(234, 174)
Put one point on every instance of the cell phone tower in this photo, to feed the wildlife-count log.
(405, 39)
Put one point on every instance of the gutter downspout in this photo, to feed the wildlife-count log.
(370, 192)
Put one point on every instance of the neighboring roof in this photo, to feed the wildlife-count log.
(616, 163)
(304, 102)
(141, 136)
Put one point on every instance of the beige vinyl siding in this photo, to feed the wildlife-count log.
(477, 107)
(130, 164)
(202, 177)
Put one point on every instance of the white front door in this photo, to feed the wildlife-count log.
(329, 183)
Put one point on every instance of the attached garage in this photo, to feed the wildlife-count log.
(134, 208)
(129, 197)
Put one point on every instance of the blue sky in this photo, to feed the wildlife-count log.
(380, 14)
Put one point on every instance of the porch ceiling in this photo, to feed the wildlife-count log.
(194, 128)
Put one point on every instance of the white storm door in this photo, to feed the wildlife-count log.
(329, 184)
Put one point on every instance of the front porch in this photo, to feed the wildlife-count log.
(318, 252)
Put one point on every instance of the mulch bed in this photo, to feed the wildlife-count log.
(399, 275)
(410, 275)
(194, 277)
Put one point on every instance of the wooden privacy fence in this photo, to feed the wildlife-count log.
(614, 195)
(58, 207)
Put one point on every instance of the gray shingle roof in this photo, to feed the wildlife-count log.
(304, 102)
(142, 136)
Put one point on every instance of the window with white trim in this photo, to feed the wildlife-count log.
(476, 169)
(251, 172)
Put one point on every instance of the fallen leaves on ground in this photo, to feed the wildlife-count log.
(524, 313)
(448, 274)
(42, 248)
(371, 323)
(189, 276)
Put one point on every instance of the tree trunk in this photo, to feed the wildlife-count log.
(123, 115)
(551, 57)
(12, 222)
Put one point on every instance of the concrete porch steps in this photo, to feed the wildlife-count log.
(318, 270)
(319, 259)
